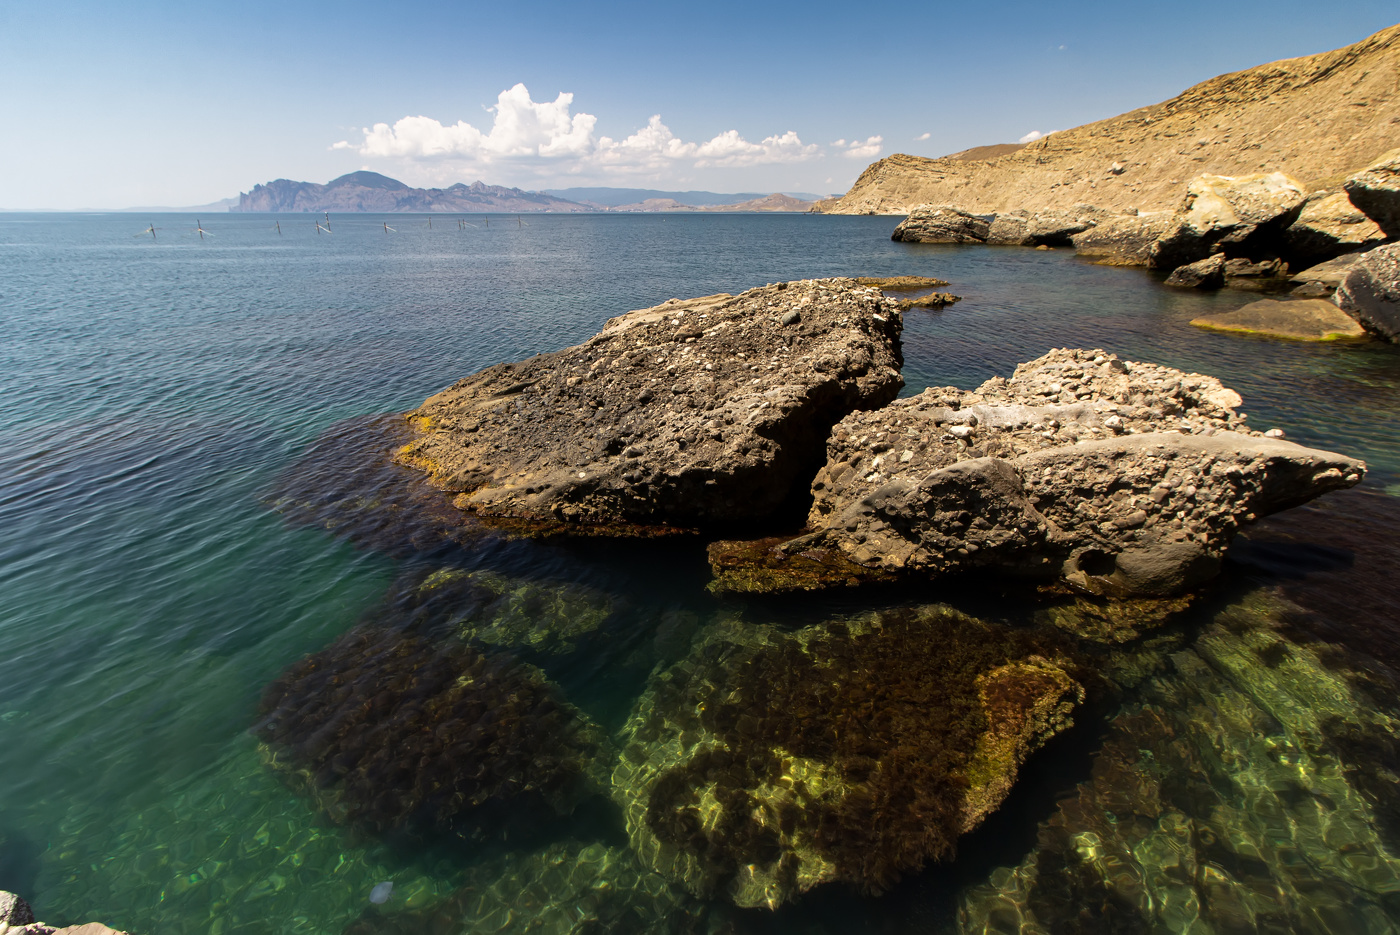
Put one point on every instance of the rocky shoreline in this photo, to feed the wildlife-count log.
(1262, 232)
(17, 918)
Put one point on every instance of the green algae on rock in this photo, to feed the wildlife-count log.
(390, 730)
(1249, 788)
(1295, 319)
(768, 763)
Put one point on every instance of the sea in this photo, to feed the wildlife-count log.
(165, 383)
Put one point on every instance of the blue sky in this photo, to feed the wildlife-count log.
(137, 103)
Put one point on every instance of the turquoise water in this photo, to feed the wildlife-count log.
(154, 390)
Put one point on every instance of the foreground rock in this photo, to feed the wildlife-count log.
(758, 768)
(1370, 293)
(1119, 478)
(942, 224)
(17, 918)
(1376, 191)
(698, 412)
(1298, 319)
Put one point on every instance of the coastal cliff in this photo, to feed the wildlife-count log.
(1317, 118)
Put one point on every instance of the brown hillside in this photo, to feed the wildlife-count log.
(1318, 118)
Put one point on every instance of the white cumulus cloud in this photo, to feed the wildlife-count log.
(547, 138)
(862, 149)
(922, 136)
(1034, 135)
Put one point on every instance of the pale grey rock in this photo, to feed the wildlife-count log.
(942, 224)
(1329, 273)
(1370, 293)
(14, 910)
(1329, 225)
(1045, 228)
(1048, 488)
(1122, 241)
(1224, 210)
(1376, 191)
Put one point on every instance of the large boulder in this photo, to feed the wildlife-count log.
(1370, 293)
(699, 412)
(942, 224)
(1244, 214)
(1324, 278)
(1296, 319)
(769, 762)
(1044, 228)
(1376, 191)
(1122, 241)
(1329, 226)
(1119, 478)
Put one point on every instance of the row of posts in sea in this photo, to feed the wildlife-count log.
(462, 224)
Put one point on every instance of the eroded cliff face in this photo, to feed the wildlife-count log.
(1317, 118)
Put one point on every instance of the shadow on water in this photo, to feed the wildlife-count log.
(19, 860)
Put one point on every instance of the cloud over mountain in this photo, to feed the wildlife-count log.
(546, 138)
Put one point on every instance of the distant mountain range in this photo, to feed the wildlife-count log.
(371, 192)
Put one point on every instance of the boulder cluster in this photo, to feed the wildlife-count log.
(1264, 231)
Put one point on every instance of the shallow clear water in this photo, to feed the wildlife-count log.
(154, 389)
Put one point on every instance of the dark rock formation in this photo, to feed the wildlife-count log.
(942, 224)
(1296, 319)
(1370, 293)
(1376, 191)
(1202, 274)
(700, 412)
(757, 768)
(1329, 226)
(1120, 478)
(391, 730)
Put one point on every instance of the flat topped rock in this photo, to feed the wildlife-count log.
(1297, 319)
(699, 412)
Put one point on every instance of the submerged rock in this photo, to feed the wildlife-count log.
(1376, 191)
(391, 730)
(699, 412)
(1251, 785)
(769, 763)
(942, 224)
(1120, 478)
(1295, 319)
(1370, 293)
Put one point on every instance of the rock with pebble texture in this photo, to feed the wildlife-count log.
(700, 412)
(1329, 226)
(1223, 212)
(942, 224)
(1120, 478)
(1370, 293)
(1376, 191)
(1202, 274)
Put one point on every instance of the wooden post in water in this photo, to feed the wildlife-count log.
(279, 228)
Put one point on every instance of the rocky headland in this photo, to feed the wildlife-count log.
(1318, 118)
